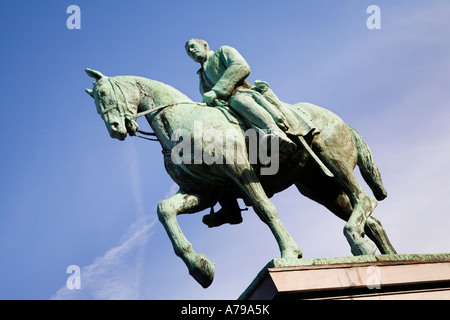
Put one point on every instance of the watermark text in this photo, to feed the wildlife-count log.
(231, 146)
(374, 20)
(74, 280)
(74, 20)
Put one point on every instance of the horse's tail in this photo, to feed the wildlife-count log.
(367, 166)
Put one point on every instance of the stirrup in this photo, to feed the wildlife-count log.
(311, 134)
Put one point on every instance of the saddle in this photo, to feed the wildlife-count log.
(294, 122)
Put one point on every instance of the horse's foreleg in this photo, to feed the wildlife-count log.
(266, 211)
(200, 268)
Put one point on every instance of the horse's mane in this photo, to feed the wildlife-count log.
(148, 86)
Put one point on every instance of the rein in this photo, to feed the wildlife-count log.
(140, 114)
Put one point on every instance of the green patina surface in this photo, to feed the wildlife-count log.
(313, 149)
(280, 263)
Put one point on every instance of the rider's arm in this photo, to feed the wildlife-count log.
(235, 73)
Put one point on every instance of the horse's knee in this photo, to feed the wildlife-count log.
(178, 203)
(365, 202)
(165, 211)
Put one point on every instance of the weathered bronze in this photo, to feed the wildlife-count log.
(216, 155)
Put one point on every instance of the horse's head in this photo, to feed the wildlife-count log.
(116, 103)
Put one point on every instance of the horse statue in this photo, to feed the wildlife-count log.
(121, 99)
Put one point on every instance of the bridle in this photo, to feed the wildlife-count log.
(127, 112)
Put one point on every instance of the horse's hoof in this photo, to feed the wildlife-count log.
(293, 253)
(202, 270)
(363, 247)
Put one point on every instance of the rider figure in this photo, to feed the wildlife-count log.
(222, 76)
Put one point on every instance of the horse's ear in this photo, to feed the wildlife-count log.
(89, 92)
(94, 74)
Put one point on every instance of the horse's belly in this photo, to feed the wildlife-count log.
(193, 173)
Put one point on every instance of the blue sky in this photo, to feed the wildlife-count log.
(71, 195)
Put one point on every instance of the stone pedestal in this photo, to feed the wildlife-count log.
(385, 277)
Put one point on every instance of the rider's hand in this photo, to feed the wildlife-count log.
(209, 97)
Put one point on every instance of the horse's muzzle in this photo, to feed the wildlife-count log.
(118, 135)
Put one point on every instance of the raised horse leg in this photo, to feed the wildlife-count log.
(200, 268)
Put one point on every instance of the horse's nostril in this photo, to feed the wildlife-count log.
(115, 126)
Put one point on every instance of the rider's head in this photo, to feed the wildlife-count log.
(197, 49)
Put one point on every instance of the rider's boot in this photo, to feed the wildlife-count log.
(229, 213)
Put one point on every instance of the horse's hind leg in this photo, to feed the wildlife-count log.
(184, 202)
(377, 234)
(363, 205)
(338, 202)
(372, 228)
(360, 222)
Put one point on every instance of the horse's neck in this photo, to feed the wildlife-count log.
(160, 93)
(154, 95)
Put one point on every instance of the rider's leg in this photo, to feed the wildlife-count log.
(276, 114)
(297, 123)
(246, 106)
(229, 213)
